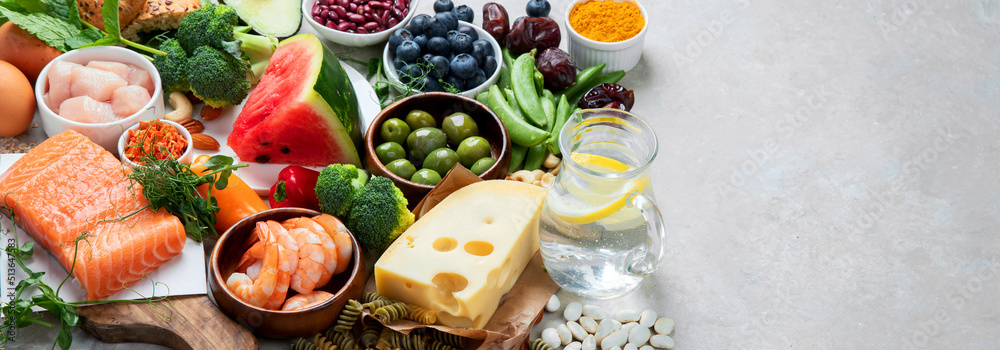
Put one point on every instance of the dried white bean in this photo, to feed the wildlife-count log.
(595, 312)
(573, 346)
(663, 326)
(627, 315)
(590, 342)
(646, 347)
(638, 335)
(647, 318)
(615, 339)
(551, 336)
(616, 323)
(578, 332)
(588, 324)
(565, 336)
(628, 326)
(606, 327)
(573, 311)
(630, 346)
(615, 348)
(662, 341)
(553, 304)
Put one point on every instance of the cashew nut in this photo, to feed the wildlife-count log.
(548, 180)
(551, 161)
(182, 107)
(535, 177)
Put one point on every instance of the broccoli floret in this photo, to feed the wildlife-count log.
(210, 25)
(218, 78)
(172, 67)
(257, 50)
(336, 187)
(379, 214)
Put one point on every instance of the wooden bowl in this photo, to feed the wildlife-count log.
(272, 323)
(439, 105)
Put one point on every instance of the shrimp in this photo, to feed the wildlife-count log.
(269, 288)
(311, 261)
(287, 257)
(254, 269)
(286, 240)
(240, 285)
(302, 301)
(339, 233)
(256, 251)
(322, 245)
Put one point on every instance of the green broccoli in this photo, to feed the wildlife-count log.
(379, 214)
(172, 67)
(218, 78)
(210, 25)
(256, 49)
(336, 186)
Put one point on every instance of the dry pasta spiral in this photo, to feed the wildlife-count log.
(539, 344)
(348, 316)
(392, 312)
(341, 340)
(422, 315)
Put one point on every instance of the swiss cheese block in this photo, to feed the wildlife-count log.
(464, 254)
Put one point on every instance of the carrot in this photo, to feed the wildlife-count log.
(154, 139)
(24, 51)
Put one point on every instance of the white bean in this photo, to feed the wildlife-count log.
(647, 318)
(578, 332)
(663, 326)
(616, 323)
(646, 347)
(573, 346)
(604, 329)
(627, 315)
(628, 327)
(565, 336)
(638, 335)
(630, 346)
(616, 348)
(588, 324)
(615, 339)
(573, 311)
(595, 312)
(551, 336)
(662, 341)
(553, 304)
(590, 342)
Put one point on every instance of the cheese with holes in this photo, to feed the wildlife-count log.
(464, 254)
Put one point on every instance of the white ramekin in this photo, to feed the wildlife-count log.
(622, 55)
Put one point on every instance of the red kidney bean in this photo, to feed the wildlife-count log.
(371, 26)
(385, 18)
(345, 26)
(392, 23)
(331, 25)
(353, 7)
(343, 3)
(316, 11)
(341, 13)
(356, 18)
(375, 4)
(360, 16)
(361, 30)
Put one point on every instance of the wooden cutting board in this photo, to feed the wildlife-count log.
(195, 324)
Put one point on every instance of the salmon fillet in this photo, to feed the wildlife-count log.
(68, 187)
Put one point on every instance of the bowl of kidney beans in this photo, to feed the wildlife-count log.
(357, 22)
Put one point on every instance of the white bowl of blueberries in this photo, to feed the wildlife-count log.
(443, 52)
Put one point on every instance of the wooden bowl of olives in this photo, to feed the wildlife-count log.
(416, 141)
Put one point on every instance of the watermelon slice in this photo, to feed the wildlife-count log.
(304, 111)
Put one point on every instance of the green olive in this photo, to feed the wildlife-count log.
(426, 177)
(472, 149)
(441, 160)
(459, 126)
(417, 119)
(401, 167)
(389, 151)
(394, 130)
(482, 165)
(422, 141)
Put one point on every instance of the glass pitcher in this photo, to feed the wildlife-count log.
(601, 232)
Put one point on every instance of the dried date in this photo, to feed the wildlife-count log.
(608, 96)
(533, 33)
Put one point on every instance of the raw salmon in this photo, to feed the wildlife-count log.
(68, 188)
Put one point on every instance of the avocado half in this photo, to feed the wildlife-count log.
(279, 18)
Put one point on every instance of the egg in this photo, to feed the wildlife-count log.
(18, 100)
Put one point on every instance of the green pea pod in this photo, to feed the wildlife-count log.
(536, 155)
(584, 82)
(522, 77)
(504, 80)
(513, 104)
(483, 97)
(549, 107)
(563, 111)
(539, 80)
(519, 130)
(517, 153)
(508, 59)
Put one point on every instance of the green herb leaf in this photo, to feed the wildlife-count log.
(110, 13)
(65, 337)
(86, 37)
(218, 162)
(373, 65)
(32, 6)
(65, 10)
(50, 30)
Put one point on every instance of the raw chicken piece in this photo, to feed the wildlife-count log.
(59, 77)
(128, 100)
(114, 67)
(48, 103)
(96, 83)
(139, 76)
(84, 109)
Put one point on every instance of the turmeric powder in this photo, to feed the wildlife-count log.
(606, 20)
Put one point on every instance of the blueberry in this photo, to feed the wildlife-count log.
(397, 38)
(448, 18)
(443, 5)
(489, 65)
(433, 27)
(441, 66)
(481, 49)
(451, 35)
(538, 8)
(463, 66)
(430, 84)
(477, 79)
(470, 31)
(398, 63)
(408, 51)
(422, 41)
(439, 46)
(464, 13)
(409, 73)
(455, 82)
(461, 44)
(426, 58)
(416, 26)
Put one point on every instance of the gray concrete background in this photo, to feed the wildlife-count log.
(827, 169)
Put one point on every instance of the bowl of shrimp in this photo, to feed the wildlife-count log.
(286, 272)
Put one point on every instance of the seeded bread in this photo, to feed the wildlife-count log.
(90, 11)
(159, 15)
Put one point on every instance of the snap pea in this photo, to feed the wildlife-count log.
(536, 155)
(563, 111)
(517, 153)
(583, 80)
(508, 59)
(539, 80)
(522, 78)
(519, 130)
(483, 97)
(549, 107)
(504, 80)
(512, 100)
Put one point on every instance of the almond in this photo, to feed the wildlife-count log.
(193, 126)
(203, 141)
(209, 112)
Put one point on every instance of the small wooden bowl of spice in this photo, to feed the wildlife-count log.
(158, 138)
(606, 31)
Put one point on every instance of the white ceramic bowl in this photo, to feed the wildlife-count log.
(354, 39)
(185, 158)
(622, 55)
(104, 134)
(390, 71)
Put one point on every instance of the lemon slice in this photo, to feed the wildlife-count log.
(583, 206)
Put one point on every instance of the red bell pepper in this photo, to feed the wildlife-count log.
(296, 187)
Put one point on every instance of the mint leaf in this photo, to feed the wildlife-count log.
(85, 38)
(48, 29)
(110, 13)
(32, 6)
(65, 10)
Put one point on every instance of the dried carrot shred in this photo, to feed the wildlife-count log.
(154, 139)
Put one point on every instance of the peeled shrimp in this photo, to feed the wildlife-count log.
(268, 290)
(338, 232)
(302, 301)
(279, 236)
(256, 251)
(240, 284)
(329, 248)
